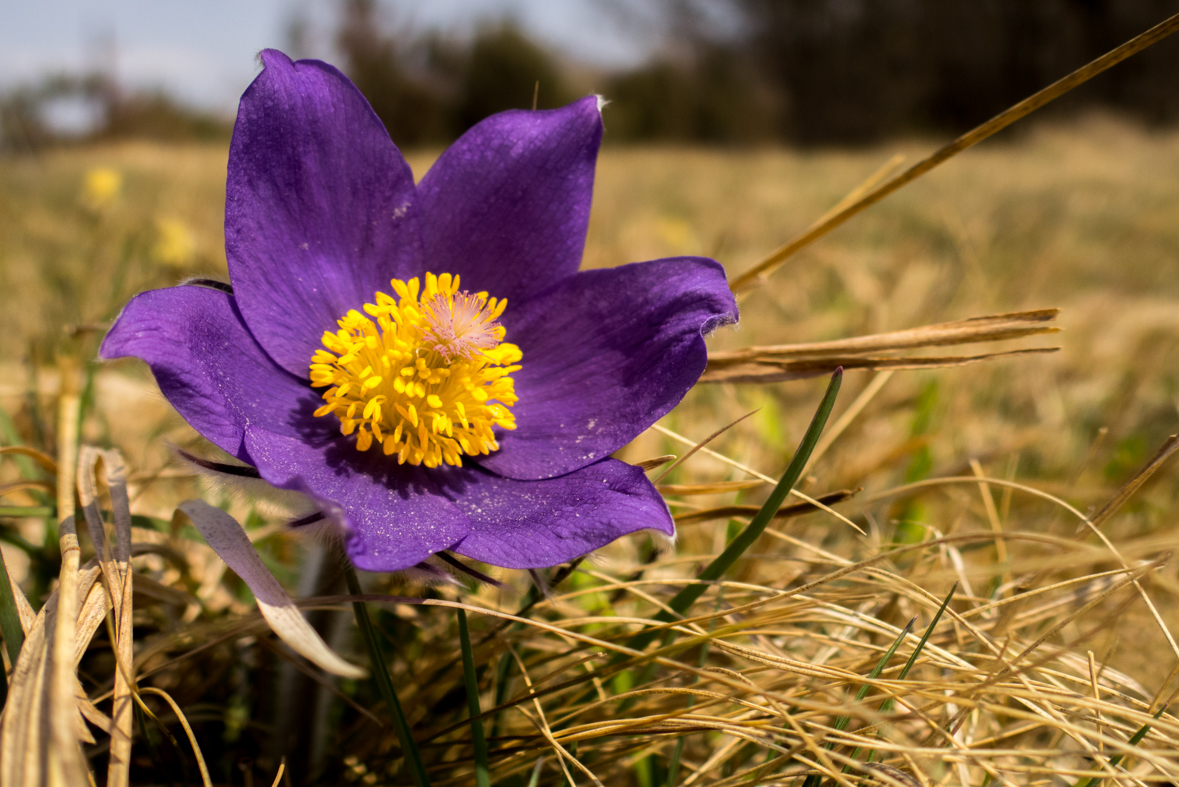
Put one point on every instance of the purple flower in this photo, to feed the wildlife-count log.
(426, 362)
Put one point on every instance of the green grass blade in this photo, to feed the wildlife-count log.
(501, 689)
(536, 769)
(888, 704)
(673, 767)
(746, 538)
(385, 683)
(1093, 781)
(14, 635)
(673, 764)
(20, 512)
(482, 772)
(683, 600)
(841, 722)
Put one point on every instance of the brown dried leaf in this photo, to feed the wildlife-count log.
(116, 569)
(770, 370)
(41, 726)
(228, 540)
(798, 361)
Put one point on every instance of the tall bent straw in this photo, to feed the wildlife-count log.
(1001, 121)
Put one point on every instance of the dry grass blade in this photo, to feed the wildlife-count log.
(774, 371)
(887, 170)
(786, 512)
(850, 414)
(17, 486)
(69, 413)
(949, 480)
(714, 488)
(701, 445)
(90, 617)
(653, 462)
(967, 140)
(542, 725)
(282, 768)
(746, 469)
(116, 566)
(196, 749)
(797, 361)
(228, 540)
(47, 464)
(66, 763)
(1135, 483)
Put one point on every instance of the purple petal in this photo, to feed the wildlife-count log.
(319, 210)
(507, 205)
(535, 524)
(393, 514)
(207, 364)
(606, 354)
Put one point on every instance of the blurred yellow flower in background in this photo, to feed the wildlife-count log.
(175, 245)
(101, 188)
(678, 235)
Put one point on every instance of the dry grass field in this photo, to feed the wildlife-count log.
(1046, 663)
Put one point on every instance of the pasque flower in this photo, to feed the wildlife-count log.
(426, 362)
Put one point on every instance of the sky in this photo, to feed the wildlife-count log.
(204, 51)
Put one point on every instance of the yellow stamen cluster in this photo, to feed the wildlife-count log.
(427, 377)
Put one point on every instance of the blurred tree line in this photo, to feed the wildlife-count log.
(798, 71)
(106, 113)
(857, 70)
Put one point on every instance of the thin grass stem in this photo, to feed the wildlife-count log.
(196, 748)
(385, 683)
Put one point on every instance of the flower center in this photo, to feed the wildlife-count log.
(427, 378)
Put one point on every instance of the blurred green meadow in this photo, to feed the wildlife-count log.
(1083, 217)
